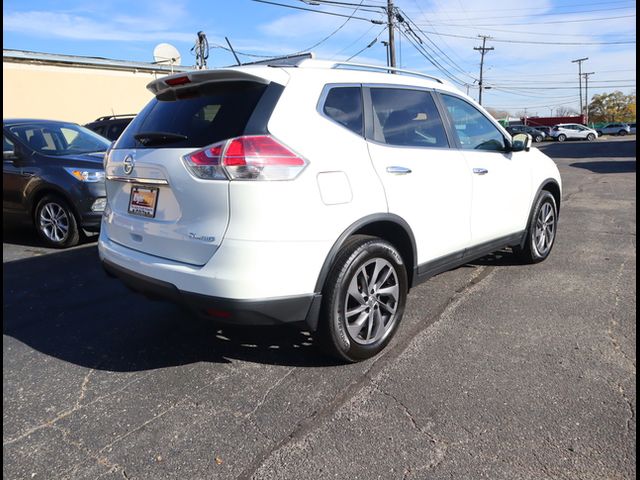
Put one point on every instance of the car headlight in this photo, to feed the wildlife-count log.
(91, 175)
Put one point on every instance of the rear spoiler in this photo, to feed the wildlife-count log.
(190, 79)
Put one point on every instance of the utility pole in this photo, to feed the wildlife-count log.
(586, 96)
(392, 43)
(482, 51)
(579, 62)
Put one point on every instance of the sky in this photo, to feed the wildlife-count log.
(530, 66)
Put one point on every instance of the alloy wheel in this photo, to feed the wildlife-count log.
(54, 222)
(371, 302)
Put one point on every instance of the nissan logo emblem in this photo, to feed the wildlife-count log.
(128, 164)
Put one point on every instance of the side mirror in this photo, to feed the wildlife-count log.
(9, 155)
(521, 142)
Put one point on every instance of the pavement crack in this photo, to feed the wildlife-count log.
(315, 419)
(630, 407)
(440, 446)
(613, 322)
(268, 392)
(65, 413)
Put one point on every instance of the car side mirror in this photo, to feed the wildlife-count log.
(521, 142)
(9, 155)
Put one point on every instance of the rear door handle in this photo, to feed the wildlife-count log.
(480, 171)
(398, 170)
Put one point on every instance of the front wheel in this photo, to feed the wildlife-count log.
(538, 138)
(363, 299)
(562, 137)
(622, 133)
(591, 137)
(56, 222)
(541, 232)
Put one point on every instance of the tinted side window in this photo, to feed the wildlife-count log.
(407, 118)
(344, 106)
(475, 131)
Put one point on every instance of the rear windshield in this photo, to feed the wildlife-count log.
(204, 115)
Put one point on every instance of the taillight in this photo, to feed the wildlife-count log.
(254, 157)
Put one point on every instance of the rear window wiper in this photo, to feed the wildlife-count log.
(158, 138)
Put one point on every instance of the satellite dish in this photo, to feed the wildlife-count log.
(165, 53)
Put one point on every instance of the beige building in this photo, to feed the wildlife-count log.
(72, 88)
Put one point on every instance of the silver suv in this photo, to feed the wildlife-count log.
(573, 131)
(621, 129)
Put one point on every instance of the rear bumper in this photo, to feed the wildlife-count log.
(301, 309)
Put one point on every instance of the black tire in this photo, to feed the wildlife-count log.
(64, 231)
(530, 252)
(622, 133)
(599, 133)
(356, 256)
(538, 138)
(591, 137)
(562, 137)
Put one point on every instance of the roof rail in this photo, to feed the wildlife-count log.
(286, 61)
(380, 68)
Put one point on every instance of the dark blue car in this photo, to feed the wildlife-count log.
(53, 177)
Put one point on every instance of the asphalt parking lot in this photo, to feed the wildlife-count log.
(499, 371)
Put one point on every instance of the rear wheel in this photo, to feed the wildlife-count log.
(591, 137)
(541, 233)
(56, 222)
(562, 137)
(363, 299)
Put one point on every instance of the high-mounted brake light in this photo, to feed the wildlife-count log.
(252, 157)
(172, 82)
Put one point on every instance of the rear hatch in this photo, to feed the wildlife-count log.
(156, 205)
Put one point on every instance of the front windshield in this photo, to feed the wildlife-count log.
(60, 138)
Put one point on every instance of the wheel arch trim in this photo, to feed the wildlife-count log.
(369, 220)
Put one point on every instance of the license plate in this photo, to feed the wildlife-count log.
(143, 201)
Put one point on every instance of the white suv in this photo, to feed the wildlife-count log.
(573, 131)
(318, 194)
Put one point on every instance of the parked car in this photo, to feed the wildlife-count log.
(545, 130)
(110, 126)
(615, 129)
(53, 178)
(316, 195)
(536, 134)
(632, 128)
(573, 131)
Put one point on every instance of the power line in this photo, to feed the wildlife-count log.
(548, 14)
(529, 42)
(534, 23)
(446, 58)
(377, 22)
(371, 44)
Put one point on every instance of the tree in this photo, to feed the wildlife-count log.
(566, 112)
(498, 114)
(613, 107)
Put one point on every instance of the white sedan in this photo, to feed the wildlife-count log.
(570, 131)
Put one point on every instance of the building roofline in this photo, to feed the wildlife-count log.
(41, 58)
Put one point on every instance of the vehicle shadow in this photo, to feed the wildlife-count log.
(597, 149)
(65, 306)
(26, 235)
(501, 258)
(619, 166)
